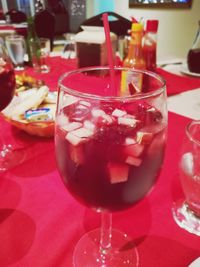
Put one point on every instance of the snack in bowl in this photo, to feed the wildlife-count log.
(32, 108)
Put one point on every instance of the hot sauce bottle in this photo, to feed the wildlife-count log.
(135, 58)
(150, 44)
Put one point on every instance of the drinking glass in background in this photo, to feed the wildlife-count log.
(40, 55)
(45, 47)
(69, 50)
(110, 142)
(16, 47)
(186, 212)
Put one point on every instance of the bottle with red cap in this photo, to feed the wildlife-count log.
(150, 44)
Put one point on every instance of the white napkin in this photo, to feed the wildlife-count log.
(195, 263)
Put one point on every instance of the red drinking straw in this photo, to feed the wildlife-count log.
(109, 50)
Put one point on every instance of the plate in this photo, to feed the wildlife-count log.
(42, 129)
(32, 108)
(195, 263)
(184, 69)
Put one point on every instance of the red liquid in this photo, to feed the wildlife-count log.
(105, 171)
(7, 85)
(193, 60)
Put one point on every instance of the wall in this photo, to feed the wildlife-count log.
(177, 27)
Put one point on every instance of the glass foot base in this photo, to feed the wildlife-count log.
(186, 218)
(123, 252)
(10, 157)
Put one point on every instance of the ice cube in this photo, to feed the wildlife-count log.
(133, 161)
(72, 126)
(73, 139)
(134, 150)
(127, 120)
(119, 113)
(82, 132)
(118, 172)
(76, 154)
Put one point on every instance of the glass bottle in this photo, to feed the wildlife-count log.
(135, 58)
(150, 44)
(193, 56)
(33, 44)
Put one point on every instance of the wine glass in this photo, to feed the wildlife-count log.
(186, 211)
(7, 89)
(110, 138)
(16, 47)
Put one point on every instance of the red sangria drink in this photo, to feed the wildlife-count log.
(7, 88)
(109, 145)
(7, 83)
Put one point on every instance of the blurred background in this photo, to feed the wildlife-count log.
(177, 26)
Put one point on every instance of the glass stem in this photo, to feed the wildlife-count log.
(106, 232)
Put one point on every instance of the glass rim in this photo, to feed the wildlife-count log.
(137, 96)
(189, 134)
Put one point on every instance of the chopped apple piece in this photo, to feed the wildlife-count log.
(128, 120)
(133, 161)
(76, 154)
(72, 126)
(118, 172)
(73, 139)
(89, 125)
(62, 119)
(119, 113)
(144, 137)
(107, 118)
(134, 150)
(82, 132)
(130, 141)
(98, 113)
(85, 103)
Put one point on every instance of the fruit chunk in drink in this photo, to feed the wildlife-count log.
(109, 154)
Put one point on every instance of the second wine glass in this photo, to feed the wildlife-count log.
(186, 211)
(16, 47)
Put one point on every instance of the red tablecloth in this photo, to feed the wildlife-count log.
(20, 30)
(177, 84)
(40, 223)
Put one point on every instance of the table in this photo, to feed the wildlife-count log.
(40, 222)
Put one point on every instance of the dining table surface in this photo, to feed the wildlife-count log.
(40, 222)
